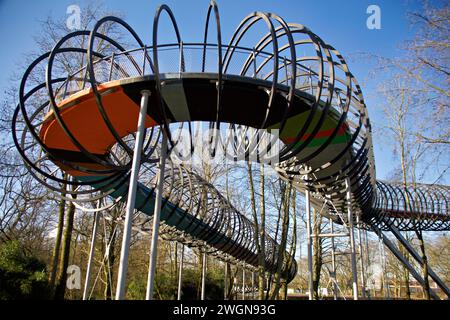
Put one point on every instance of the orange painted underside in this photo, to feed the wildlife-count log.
(83, 119)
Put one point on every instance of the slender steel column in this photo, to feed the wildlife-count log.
(333, 262)
(156, 219)
(243, 282)
(203, 276)
(123, 264)
(386, 283)
(91, 255)
(235, 286)
(383, 268)
(253, 285)
(180, 273)
(352, 239)
(419, 259)
(366, 242)
(308, 243)
(396, 252)
(225, 286)
(361, 259)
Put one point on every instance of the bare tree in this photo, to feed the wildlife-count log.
(425, 65)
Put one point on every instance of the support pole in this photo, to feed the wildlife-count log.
(225, 286)
(180, 273)
(383, 268)
(203, 276)
(253, 285)
(386, 283)
(123, 264)
(419, 259)
(352, 239)
(243, 282)
(402, 259)
(366, 243)
(234, 287)
(308, 243)
(333, 262)
(367, 258)
(156, 219)
(91, 256)
(361, 259)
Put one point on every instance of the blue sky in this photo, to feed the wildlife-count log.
(340, 23)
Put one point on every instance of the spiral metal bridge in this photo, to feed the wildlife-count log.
(287, 99)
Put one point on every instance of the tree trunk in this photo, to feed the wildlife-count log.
(262, 242)
(284, 288)
(426, 289)
(293, 248)
(109, 264)
(57, 247)
(402, 143)
(230, 281)
(64, 263)
(317, 253)
(282, 247)
(259, 227)
(405, 273)
(277, 229)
